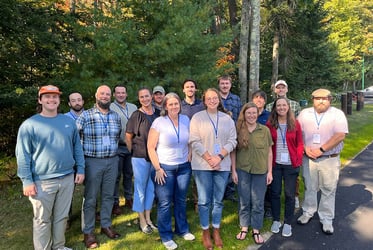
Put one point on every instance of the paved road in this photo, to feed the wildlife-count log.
(353, 224)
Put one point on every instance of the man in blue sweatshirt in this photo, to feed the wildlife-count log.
(48, 147)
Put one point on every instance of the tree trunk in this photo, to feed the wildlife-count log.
(275, 57)
(244, 44)
(254, 48)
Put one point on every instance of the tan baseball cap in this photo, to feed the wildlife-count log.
(321, 93)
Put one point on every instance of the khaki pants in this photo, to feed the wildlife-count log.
(320, 175)
(51, 208)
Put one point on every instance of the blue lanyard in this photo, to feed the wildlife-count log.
(283, 135)
(213, 124)
(318, 122)
(103, 121)
(178, 128)
(122, 109)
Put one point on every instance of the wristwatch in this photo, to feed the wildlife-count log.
(221, 156)
(322, 150)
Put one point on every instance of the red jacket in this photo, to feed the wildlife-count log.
(294, 141)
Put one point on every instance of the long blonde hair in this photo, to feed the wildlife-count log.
(242, 135)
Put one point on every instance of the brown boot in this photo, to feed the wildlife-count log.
(217, 239)
(206, 239)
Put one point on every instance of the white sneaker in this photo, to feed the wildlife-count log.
(297, 205)
(170, 245)
(328, 228)
(188, 236)
(304, 219)
(286, 230)
(275, 228)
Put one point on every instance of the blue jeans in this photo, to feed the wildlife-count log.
(143, 185)
(174, 191)
(251, 192)
(289, 175)
(210, 187)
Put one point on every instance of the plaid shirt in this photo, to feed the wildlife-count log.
(233, 104)
(295, 107)
(93, 126)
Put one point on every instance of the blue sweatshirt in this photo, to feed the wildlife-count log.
(48, 147)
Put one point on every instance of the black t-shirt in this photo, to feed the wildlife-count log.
(139, 125)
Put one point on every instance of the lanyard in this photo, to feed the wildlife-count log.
(103, 121)
(213, 124)
(122, 109)
(177, 131)
(318, 122)
(283, 135)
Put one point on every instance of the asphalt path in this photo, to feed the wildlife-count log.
(353, 224)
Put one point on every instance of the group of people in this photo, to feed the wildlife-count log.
(161, 145)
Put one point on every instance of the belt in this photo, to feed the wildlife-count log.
(103, 157)
(325, 156)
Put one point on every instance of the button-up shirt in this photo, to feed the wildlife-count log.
(233, 104)
(99, 132)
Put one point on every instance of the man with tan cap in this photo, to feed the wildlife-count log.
(48, 147)
(324, 129)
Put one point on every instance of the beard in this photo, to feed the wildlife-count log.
(103, 105)
(77, 108)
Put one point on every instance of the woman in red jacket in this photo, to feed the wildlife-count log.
(287, 158)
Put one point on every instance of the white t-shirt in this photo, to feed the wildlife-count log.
(172, 147)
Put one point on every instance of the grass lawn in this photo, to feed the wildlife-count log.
(16, 211)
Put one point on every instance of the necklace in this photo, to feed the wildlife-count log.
(147, 112)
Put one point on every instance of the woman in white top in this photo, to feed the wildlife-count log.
(169, 154)
(212, 138)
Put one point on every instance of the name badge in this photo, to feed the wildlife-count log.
(316, 138)
(216, 148)
(106, 140)
(284, 157)
(179, 153)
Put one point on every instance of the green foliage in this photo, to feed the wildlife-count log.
(146, 44)
(312, 60)
(349, 22)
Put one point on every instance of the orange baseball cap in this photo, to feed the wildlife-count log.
(49, 89)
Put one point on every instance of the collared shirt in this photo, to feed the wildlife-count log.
(124, 114)
(190, 109)
(254, 158)
(233, 104)
(319, 128)
(72, 114)
(95, 128)
(295, 107)
(263, 117)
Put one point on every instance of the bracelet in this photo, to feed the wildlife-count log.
(322, 150)
(221, 156)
